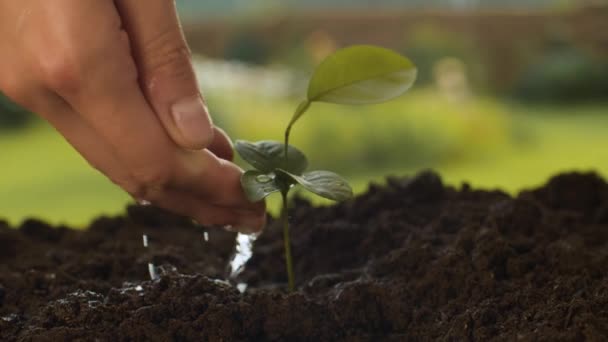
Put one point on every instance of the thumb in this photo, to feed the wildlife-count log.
(165, 70)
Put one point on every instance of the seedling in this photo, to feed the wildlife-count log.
(354, 75)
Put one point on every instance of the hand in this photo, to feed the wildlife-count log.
(116, 80)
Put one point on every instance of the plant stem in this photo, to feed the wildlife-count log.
(302, 108)
(287, 242)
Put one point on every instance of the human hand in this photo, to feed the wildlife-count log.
(116, 80)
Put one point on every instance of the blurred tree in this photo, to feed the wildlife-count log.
(247, 48)
(198, 9)
(564, 74)
(428, 45)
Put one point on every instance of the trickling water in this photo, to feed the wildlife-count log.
(242, 287)
(206, 236)
(244, 251)
(151, 267)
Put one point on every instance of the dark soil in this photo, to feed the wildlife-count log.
(414, 260)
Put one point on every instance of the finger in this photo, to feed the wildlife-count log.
(102, 85)
(215, 179)
(166, 73)
(242, 220)
(221, 145)
(99, 154)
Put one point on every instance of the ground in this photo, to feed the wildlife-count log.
(412, 260)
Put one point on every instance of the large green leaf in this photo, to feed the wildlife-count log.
(266, 156)
(258, 185)
(361, 75)
(323, 183)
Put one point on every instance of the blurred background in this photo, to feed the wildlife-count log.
(509, 92)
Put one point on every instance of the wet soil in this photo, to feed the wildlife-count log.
(412, 260)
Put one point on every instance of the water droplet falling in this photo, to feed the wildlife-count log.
(152, 271)
(206, 236)
(151, 267)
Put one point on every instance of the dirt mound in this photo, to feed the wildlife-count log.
(412, 260)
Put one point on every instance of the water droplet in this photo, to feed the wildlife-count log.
(242, 287)
(143, 202)
(263, 178)
(152, 271)
(138, 288)
(206, 236)
(10, 318)
(145, 240)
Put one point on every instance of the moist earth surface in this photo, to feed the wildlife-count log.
(410, 260)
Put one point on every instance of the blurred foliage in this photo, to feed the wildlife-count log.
(303, 54)
(429, 45)
(424, 127)
(196, 9)
(564, 74)
(485, 142)
(12, 116)
(42, 175)
(247, 48)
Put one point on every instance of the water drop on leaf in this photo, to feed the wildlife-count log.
(263, 178)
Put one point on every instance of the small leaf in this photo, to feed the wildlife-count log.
(266, 156)
(361, 75)
(323, 183)
(258, 185)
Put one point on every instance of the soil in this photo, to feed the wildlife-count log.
(412, 260)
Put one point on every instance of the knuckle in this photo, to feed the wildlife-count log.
(148, 184)
(168, 54)
(14, 90)
(63, 72)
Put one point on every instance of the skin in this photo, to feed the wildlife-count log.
(109, 76)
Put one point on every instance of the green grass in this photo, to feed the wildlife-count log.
(486, 143)
(43, 177)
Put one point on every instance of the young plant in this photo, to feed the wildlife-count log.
(354, 75)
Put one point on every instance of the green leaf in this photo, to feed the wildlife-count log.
(258, 185)
(323, 183)
(266, 156)
(361, 74)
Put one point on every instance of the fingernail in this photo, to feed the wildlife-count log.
(192, 119)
